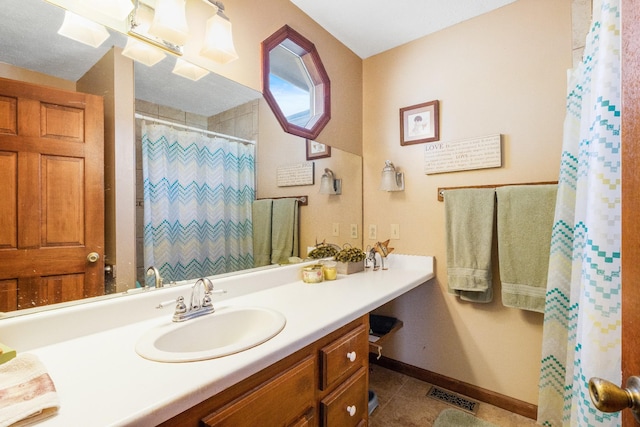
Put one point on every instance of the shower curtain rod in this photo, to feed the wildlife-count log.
(207, 132)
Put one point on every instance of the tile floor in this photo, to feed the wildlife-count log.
(403, 402)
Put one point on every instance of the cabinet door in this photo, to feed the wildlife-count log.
(344, 356)
(278, 402)
(348, 405)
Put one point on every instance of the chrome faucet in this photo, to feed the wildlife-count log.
(199, 304)
(157, 279)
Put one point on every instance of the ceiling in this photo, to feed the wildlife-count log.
(29, 39)
(369, 27)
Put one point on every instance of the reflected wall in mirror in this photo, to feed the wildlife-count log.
(295, 83)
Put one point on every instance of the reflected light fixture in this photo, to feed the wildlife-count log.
(329, 184)
(82, 30)
(188, 70)
(391, 179)
(170, 21)
(116, 9)
(143, 53)
(218, 39)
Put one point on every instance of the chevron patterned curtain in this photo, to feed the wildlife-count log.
(198, 192)
(582, 320)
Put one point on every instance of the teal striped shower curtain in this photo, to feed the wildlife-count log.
(582, 320)
(198, 192)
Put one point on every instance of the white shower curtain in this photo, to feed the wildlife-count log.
(198, 192)
(582, 322)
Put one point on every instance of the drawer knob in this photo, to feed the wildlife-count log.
(351, 410)
(351, 356)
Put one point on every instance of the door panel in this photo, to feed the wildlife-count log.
(51, 169)
(630, 197)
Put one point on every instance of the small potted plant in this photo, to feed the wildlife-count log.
(350, 260)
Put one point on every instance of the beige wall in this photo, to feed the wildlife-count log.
(503, 72)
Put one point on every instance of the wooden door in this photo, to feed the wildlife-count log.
(51, 195)
(630, 194)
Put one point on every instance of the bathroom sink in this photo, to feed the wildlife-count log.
(227, 331)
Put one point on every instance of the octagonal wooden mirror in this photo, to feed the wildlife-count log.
(295, 83)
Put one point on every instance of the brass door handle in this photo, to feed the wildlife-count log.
(608, 397)
(93, 257)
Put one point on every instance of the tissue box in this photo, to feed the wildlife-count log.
(350, 267)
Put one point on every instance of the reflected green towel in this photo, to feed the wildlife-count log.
(469, 219)
(284, 230)
(261, 219)
(525, 223)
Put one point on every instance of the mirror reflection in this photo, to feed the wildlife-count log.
(295, 83)
(213, 103)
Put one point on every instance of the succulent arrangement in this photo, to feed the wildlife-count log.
(324, 250)
(350, 254)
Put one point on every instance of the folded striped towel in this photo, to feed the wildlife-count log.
(27, 394)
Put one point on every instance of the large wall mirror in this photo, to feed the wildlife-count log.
(295, 83)
(32, 51)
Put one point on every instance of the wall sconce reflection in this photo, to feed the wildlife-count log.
(329, 184)
(391, 179)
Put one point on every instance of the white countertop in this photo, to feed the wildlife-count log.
(89, 352)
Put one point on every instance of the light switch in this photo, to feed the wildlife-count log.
(335, 229)
(373, 231)
(395, 231)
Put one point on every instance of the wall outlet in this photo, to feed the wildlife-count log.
(335, 229)
(354, 231)
(395, 231)
(373, 231)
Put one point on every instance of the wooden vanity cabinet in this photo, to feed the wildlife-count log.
(324, 384)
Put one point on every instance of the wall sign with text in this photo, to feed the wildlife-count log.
(475, 153)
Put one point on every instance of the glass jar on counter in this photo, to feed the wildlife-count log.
(330, 270)
(313, 274)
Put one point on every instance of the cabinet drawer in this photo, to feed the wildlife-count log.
(343, 356)
(348, 405)
(280, 401)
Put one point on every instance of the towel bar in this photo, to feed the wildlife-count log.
(441, 190)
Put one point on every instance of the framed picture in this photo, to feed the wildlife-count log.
(317, 150)
(419, 123)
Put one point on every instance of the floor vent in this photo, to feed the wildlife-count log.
(453, 399)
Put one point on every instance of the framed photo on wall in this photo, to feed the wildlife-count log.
(420, 123)
(317, 150)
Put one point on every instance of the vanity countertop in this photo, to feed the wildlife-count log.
(101, 380)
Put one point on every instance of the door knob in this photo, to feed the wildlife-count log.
(93, 257)
(608, 397)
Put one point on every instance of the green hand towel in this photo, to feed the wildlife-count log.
(284, 230)
(261, 219)
(469, 219)
(525, 223)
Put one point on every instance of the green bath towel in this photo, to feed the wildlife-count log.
(261, 218)
(525, 223)
(469, 219)
(284, 230)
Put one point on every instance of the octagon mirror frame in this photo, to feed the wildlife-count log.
(320, 102)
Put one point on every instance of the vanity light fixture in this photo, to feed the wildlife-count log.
(143, 53)
(218, 38)
(329, 184)
(83, 30)
(392, 180)
(188, 70)
(170, 21)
